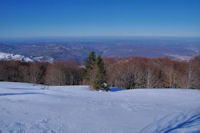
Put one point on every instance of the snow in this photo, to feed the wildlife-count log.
(180, 57)
(77, 109)
(8, 56)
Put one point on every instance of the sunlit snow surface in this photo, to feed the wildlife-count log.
(77, 109)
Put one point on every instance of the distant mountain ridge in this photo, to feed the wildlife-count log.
(17, 57)
(79, 49)
(9, 56)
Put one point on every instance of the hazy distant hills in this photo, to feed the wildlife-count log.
(78, 50)
(47, 51)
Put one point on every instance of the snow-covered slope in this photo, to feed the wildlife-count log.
(76, 109)
(9, 56)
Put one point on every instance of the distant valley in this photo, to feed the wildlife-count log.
(77, 49)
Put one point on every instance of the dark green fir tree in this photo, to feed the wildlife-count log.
(90, 62)
(99, 75)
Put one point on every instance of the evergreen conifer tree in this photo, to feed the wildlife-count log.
(99, 78)
(90, 60)
(89, 65)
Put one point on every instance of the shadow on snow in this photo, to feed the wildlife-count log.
(25, 93)
(189, 123)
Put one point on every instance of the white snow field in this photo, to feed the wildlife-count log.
(25, 108)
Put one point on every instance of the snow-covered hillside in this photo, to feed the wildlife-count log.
(9, 56)
(76, 109)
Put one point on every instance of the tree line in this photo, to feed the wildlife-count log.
(58, 73)
(137, 72)
(129, 73)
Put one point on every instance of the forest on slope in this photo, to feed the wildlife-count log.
(128, 73)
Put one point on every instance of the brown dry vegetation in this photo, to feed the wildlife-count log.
(129, 73)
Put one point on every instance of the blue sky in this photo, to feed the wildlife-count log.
(38, 18)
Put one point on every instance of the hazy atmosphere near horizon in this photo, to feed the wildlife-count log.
(44, 18)
(99, 66)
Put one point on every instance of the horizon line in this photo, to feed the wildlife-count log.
(98, 36)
